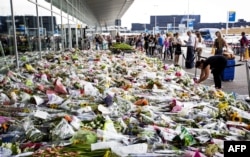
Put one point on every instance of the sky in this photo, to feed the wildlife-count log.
(140, 10)
(210, 10)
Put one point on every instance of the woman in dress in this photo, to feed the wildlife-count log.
(177, 43)
(199, 44)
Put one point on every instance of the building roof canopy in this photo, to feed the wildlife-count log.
(107, 11)
(94, 12)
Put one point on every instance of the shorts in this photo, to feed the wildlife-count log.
(178, 52)
(242, 50)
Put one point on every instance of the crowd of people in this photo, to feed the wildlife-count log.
(29, 43)
(218, 62)
(169, 46)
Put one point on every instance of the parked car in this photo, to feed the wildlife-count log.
(208, 34)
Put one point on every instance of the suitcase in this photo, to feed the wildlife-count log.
(228, 73)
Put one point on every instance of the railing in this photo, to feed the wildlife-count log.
(248, 81)
(236, 48)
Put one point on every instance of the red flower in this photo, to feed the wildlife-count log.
(178, 74)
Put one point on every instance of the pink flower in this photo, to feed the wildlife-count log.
(165, 67)
(4, 119)
(178, 74)
(176, 108)
(59, 87)
(196, 153)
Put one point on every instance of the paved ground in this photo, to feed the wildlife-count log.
(239, 85)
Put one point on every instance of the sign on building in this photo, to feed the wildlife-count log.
(191, 25)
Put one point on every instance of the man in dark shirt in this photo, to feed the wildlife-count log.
(217, 64)
(243, 45)
(146, 43)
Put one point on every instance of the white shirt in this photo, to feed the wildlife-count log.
(199, 44)
(191, 40)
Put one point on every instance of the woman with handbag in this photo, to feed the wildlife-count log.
(219, 44)
(152, 42)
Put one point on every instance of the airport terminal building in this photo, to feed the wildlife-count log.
(26, 25)
(180, 22)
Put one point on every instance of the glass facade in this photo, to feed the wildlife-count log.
(39, 26)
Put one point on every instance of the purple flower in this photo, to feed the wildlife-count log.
(4, 119)
(108, 100)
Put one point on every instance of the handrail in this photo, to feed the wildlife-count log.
(248, 81)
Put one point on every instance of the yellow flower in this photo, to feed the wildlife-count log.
(219, 94)
(29, 68)
(223, 106)
(107, 153)
(54, 106)
(236, 117)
